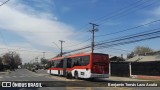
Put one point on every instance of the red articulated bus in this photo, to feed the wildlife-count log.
(86, 65)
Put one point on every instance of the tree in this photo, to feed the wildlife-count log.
(141, 50)
(44, 61)
(12, 60)
(0, 60)
(6, 59)
(130, 55)
(117, 59)
(17, 60)
(1, 65)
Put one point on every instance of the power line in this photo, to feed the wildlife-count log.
(4, 2)
(29, 50)
(124, 10)
(4, 41)
(57, 45)
(128, 28)
(122, 13)
(131, 5)
(128, 42)
(116, 12)
(127, 11)
(78, 43)
(152, 31)
(121, 49)
(119, 10)
(146, 35)
(37, 31)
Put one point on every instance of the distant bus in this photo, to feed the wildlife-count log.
(86, 65)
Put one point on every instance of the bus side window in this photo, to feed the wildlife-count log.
(74, 61)
(52, 64)
(85, 60)
(80, 61)
(61, 63)
(56, 64)
(69, 62)
(49, 64)
(77, 61)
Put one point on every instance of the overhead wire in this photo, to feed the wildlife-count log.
(156, 30)
(4, 2)
(1, 32)
(126, 38)
(133, 4)
(128, 42)
(78, 43)
(122, 10)
(127, 11)
(116, 12)
(128, 29)
(4, 41)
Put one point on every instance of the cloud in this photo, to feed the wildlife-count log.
(36, 27)
(156, 12)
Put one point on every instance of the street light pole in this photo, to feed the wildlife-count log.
(61, 47)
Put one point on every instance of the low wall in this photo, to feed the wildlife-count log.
(151, 68)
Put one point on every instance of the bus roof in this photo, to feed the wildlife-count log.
(75, 55)
(79, 54)
(56, 58)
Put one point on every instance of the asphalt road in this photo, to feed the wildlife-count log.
(41, 75)
(26, 75)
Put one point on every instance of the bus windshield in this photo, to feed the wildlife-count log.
(100, 64)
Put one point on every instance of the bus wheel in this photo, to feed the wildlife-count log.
(69, 75)
(59, 73)
(50, 72)
(76, 75)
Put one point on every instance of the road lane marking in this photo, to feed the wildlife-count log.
(7, 77)
(79, 88)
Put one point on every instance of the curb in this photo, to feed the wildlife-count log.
(157, 78)
(7, 72)
(63, 78)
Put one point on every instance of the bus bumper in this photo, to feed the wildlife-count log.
(93, 75)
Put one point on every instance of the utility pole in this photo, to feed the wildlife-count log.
(36, 59)
(12, 60)
(92, 31)
(43, 55)
(61, 47)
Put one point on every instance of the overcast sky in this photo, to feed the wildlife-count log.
(30, 27)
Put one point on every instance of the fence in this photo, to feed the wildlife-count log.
(151, 68)
(119, 69)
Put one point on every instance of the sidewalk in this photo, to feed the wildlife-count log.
(144, 77)
(114, 78)
(2, 73)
